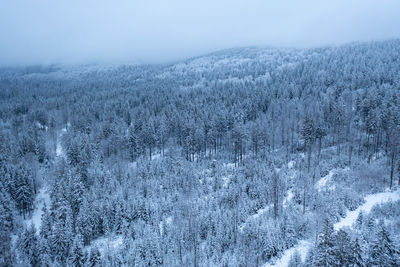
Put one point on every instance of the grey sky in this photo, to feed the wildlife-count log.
(84, 31)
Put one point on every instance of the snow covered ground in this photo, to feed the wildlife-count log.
(41, 198)
(158, 155)
(302, 247)
(255, 216)
(324, 180)
(229, 165)
(291, 164)
(166, 221)
(59, 149)
(226, 180)
(370, 201)
(43, 195)
(351, 216)
(288, 198)
(104, 244)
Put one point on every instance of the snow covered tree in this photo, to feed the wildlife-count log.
(6, 227)
(23, 189)
(94, 259)
(383, 251)
(342, 250)
(46, 223)
(295, 260)
(28, 245)
(76, 254)
(325, 250)
(308, 133)
(357, 259)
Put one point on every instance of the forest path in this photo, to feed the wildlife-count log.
(289, 195)
(41, 199)
(370, 201)
(351, 216)
(43, 196)
(302, 247)
(59, 149)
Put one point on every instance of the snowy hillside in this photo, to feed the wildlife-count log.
(249, 156)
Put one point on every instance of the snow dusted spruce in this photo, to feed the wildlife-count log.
(243, 157)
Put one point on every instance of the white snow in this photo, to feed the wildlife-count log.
(260, 212)
(43, 194)
(156, 156)
(59, 149)
(229, 165)
(370, 201)
(166, 221)
(291, 164)
(255, 216)
(39, 125)
(226, 180)
(41, 198)
(104, 244)
(288, 198)
(324, 180)
(351, 216)
(132, 165)
(302, 247)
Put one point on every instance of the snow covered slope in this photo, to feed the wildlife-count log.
(370, 201)
(302, 247)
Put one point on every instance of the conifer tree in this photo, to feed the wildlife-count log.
(325, 250)
(382, 250)
(76, 254)
(94, 258)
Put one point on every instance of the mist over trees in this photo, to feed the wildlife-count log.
(220, 160)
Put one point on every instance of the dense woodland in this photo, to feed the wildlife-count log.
(212, 161)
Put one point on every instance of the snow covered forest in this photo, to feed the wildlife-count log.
(243, 157)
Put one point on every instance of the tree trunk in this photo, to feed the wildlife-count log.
(392, 169)
(309, 158)
(180, 252)
(399, 176)
(304, 200)
(292, 141)
(241, 152)
(276, 177)
(350, 152)
(369, 158)
(235, 156)
(150, 152)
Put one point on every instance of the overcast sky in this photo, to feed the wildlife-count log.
(116, 31)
